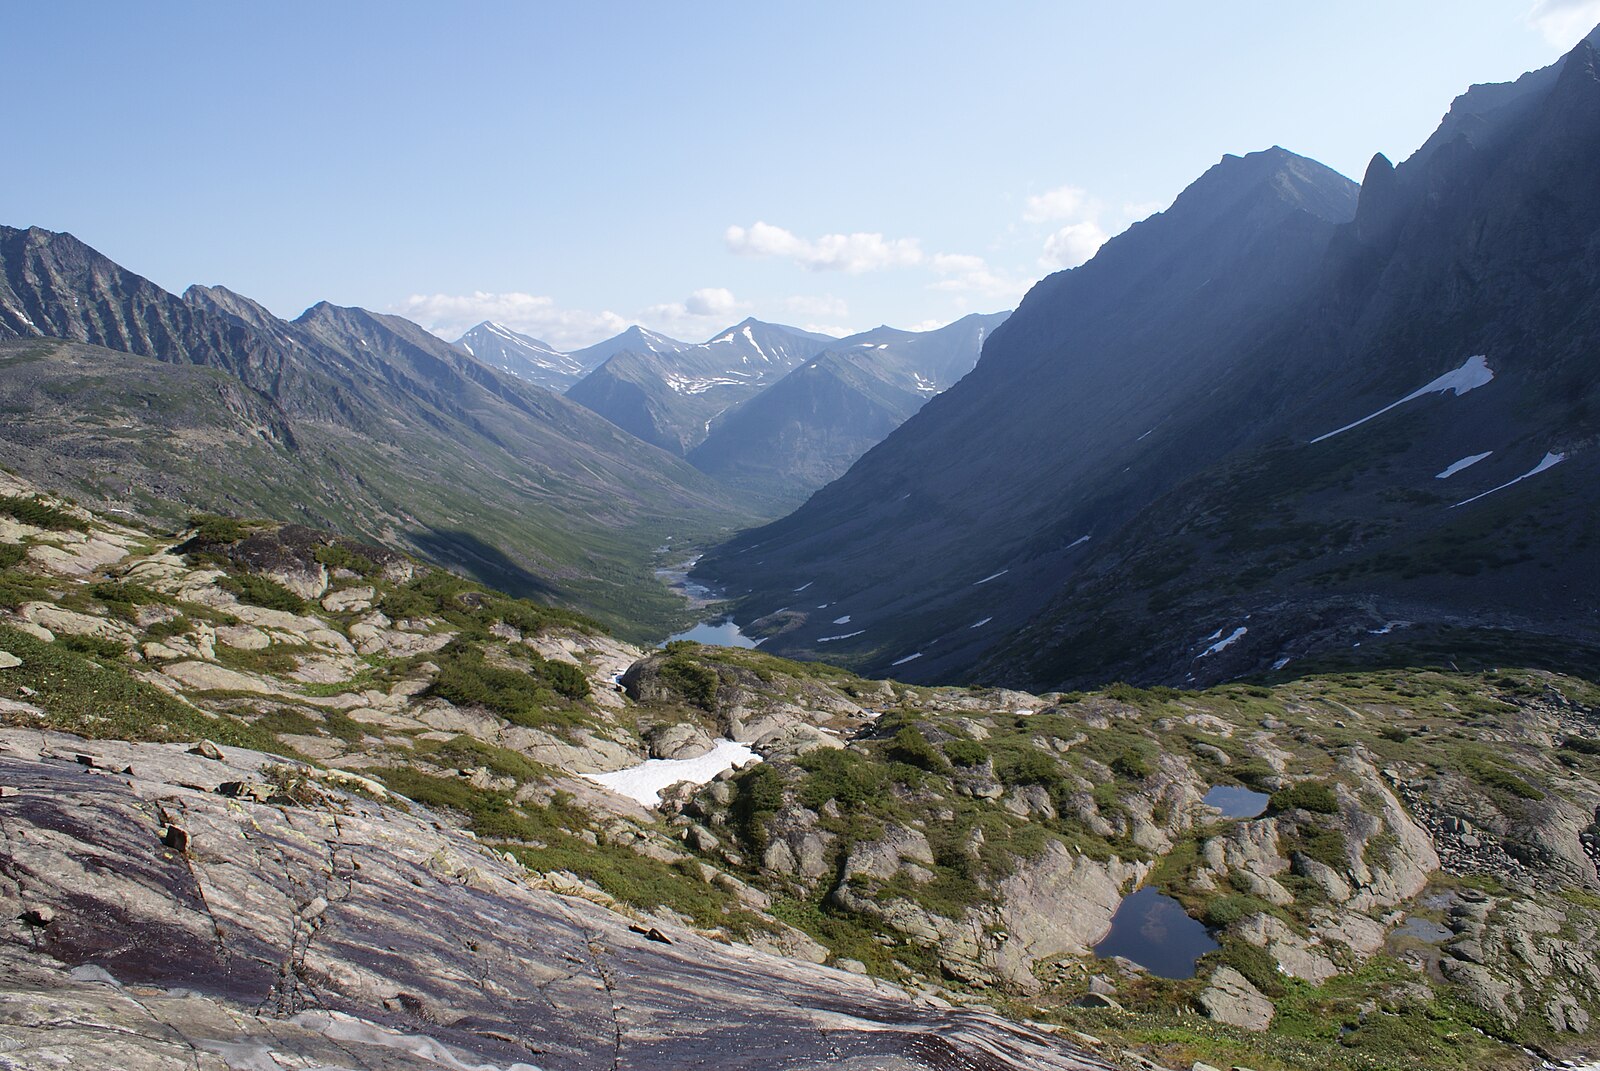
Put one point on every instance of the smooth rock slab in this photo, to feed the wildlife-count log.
(326, 935)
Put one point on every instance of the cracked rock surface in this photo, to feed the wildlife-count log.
(153, 921)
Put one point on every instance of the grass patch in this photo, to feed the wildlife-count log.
(80, 695)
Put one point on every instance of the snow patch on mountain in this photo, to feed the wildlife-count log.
(1474, 373)
(1465, 462)
(1224, 643)
(1550, 461)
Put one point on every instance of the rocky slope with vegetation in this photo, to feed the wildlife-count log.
(349, 791)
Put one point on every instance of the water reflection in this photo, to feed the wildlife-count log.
(1153, 930)
(1236, 801)
(723, 633)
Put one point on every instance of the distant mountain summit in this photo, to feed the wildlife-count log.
(523, 356)
(669, 392)
(1266, 428)
(810, 426)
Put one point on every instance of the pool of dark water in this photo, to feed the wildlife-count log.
(1236, 801)
(1153, 930)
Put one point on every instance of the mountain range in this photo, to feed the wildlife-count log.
(142, 400)
(1277, 423)
(737, 406)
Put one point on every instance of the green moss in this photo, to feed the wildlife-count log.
(465, 752)
(1489, 770)
(12, 554)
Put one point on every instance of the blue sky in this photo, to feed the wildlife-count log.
(571, 168)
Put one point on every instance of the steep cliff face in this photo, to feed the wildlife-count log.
(1040, 444)
(1268, 414)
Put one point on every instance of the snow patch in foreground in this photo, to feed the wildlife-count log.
(1465, 462)
(980, 624)
(992, 576)
(1551, 460)
(1471, 375)
(906, 659)
(645, 781)
(845, 636)
(1223, 644)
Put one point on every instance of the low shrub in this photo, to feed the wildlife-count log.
(213, 529)
(40, 514)
(1315, 796)
(262, 591)
(966, 752)
(696, 683)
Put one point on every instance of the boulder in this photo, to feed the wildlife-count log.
(1231, 999)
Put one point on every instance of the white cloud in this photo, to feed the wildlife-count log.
(965, 273)
(1564, 22)
(711, 301)
(852, 253)
(450, 316)
(1063, 202)
(1072, 245)
(702, 312)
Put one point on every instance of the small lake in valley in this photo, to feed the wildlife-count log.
(1153, 930)
(1236, 801)
(722, 633)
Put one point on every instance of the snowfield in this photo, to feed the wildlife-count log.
(1470, 376)
(645, 781)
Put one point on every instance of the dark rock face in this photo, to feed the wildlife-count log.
(1145, 456)
(998, 470)
(351, 934)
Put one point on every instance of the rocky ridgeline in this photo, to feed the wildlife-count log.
(388, 842)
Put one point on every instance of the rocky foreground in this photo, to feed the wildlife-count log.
(170, 907)
(271, 798)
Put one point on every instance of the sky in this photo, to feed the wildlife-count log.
(568, 169)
